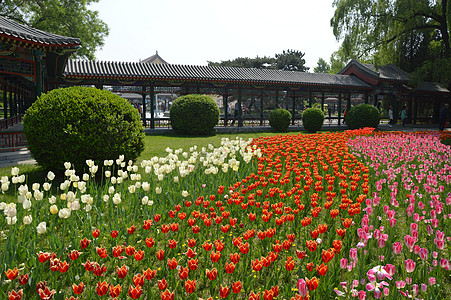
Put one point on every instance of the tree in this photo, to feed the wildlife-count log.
(410, 34)
(322, 66)
(246, 62)
(70, 18)
(291, 60)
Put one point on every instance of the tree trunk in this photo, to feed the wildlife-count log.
(444, 27)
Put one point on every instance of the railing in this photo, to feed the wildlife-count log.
(12, 141)
(6, 123)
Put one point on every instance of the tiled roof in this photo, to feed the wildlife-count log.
(431, 87)
(387, 72)
(154, 59)
(17, 31)
(130, 70)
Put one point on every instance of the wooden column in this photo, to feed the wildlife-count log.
(152, 104)
(225, 103)
(339, 108)
(277, 98)
(261, 109)
(348, 101)
(197, 88)
(144, 117)
(310, 98)
(322, 100)
(10, 100)
(366, 97)
(240, 110)
(21, 97)
(293, 108)
(5, 100)
(375, 100)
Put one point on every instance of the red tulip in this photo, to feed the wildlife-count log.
(172, 263)
(122, 271)
(74, 254)
(12, 274)
(84, 243)
(135, 292)
(167, 295)
(13, 295)
(224, 291)
(183, 273)
(190, 286)
(149, 274)
(138, 280)
(236, 286)
(162, 284)
(78, 289)
(95, 233)
(212, 274)
(160, 254)
(115, 291)
(139, 255)
(23, 279)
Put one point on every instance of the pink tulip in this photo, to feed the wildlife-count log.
(353, 253)
(343, 263)
(410, 265)
(390, 269)
(397, 247)
(302, 288)
(362, 295)
(432, 280)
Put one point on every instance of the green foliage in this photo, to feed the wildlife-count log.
(322, 66)
(72, 18)
(79, 123)
(280, 119)
(194, 115)
(312, 119)
(363, 115)
(446, 142)
(290, 60)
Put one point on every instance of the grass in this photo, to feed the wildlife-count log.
(155, 145)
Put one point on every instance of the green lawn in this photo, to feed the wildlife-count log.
(155, 145)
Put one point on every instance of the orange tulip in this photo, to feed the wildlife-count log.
(236, 286)
(115, 291)
(149, 274)
(13, 295)
(224, 291)
(78, 289)
(162, 284)
(135, 292)
(167, 295)
(12, 274)
(321, 269)
(190, 286)
(211, 274)
(102, 288)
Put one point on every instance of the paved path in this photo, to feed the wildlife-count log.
(21, 157)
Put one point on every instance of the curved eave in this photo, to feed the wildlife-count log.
(228, 81)
(40, 44)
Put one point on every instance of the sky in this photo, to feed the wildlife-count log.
(193, 32)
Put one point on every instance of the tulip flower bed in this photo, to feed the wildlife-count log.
(353, 214)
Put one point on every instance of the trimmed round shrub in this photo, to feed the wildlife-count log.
(363, 115)
(279, 119)
(312, 119)
(194, 115)
(79, 123)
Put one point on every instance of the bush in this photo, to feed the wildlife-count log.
(280, 119)
(312, 119)
(79, 123)
(194, 115)
(363, 115)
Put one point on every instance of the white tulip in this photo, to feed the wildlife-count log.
(111, 190)
(15, 179)
(35, 186)
(148, 169)
(63, 197)
(113, 180)
(67, 165)
(138, 185)
(41, 228)
(158, 190)
(52, 200)
(47, 186)
(27, 220)
(21, 178)
(38, 195)
(160, 177)
(89, 162)
(121, 157)
(26, 204)
(4, 179)
(10, 210)
(132, 189)
(82, 185)
(23, 189)
(11, 220)
(176, 179)
(64, 213)
(2, 205)
(94, 169)
(185, 194)
(85, 177)
(107, 174)
(145, 186)
(28, 195)
(88, 207)
(5, 186)
(129, 168)
(122, 164)
(150, 203)
(71, 196)
(106, 198)
(145, 200)
(119, 180)
(21, 198)
(117, 199)
(50, 175)
(14, 171)
(135, 168)
(75, 205)
(74, 178)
